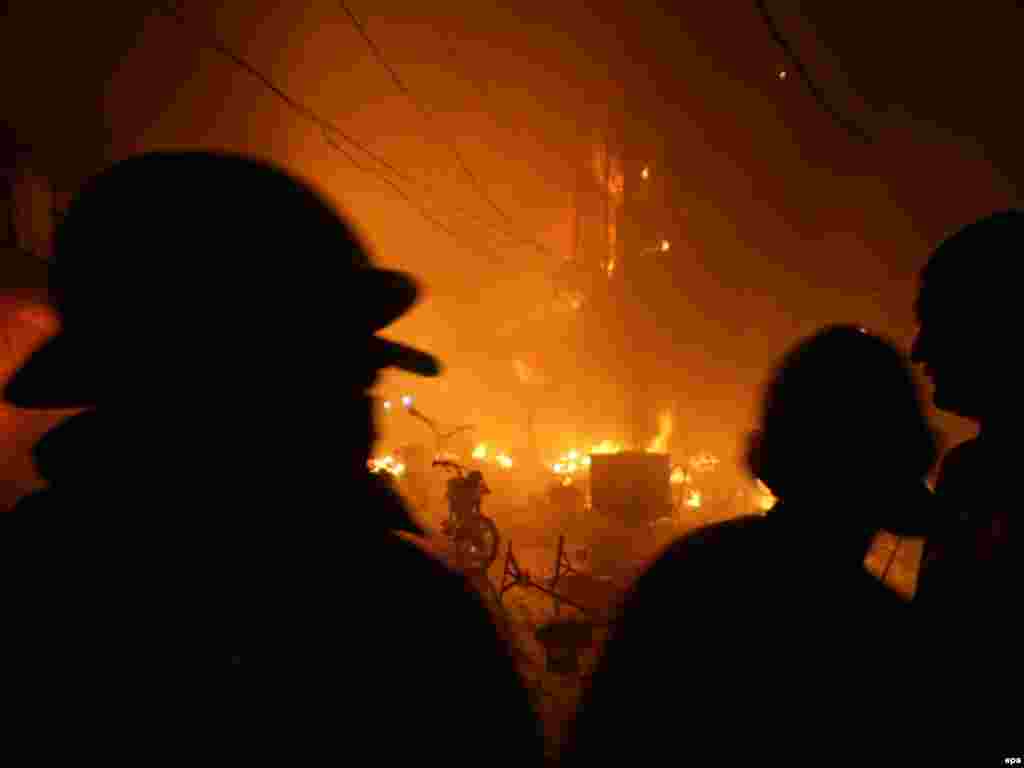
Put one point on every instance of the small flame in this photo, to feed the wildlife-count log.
(606, 446)
(480, 452)
(693, 500)
(567, 480)
(387, 464)
(585, 461)
(767, 499)
(645, 174)
(407, 400)
(504, 460)
(664, 245)
(387, 405)
(783, 74)
(678, 476)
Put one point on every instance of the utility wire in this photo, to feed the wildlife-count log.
(819, 96)
(331, 130)
(429, 116)
(331, 142)
(424, 112)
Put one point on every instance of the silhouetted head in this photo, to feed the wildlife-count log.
(221, 282)
(967, 316)
(475, 477)
(842, 423)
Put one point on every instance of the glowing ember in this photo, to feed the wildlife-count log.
(693, 500)
(783, 74)
(503, 460)
(610, 267)
(480, 452)
(607, 446)
(407, 400)
(665, 245)
(645, 174)
(660, 443)
(678, 476)
(387, 464)
(567, 480)
(387, 405)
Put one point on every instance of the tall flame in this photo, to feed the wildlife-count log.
(660, 443)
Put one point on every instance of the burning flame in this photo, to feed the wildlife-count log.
(387, 464)
(660, 443)
(573, 461)
(567, 480)
(767, 499)
(678, 476)
(501, 458)
(610, 267)
(693, 499)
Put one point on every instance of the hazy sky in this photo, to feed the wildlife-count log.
(780, 221)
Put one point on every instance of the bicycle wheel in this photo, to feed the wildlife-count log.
(478, 544)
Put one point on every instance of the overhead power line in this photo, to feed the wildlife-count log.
(848, 124)
(333, 132)
(428, 116)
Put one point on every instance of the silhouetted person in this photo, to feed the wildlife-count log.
(765, 635)
(969, 585)
(218, 326)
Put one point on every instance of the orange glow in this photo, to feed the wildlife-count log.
(480, 452)
(782, 74)
(645, 174)
(704, 462)
(503, 460)
(693, 500)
